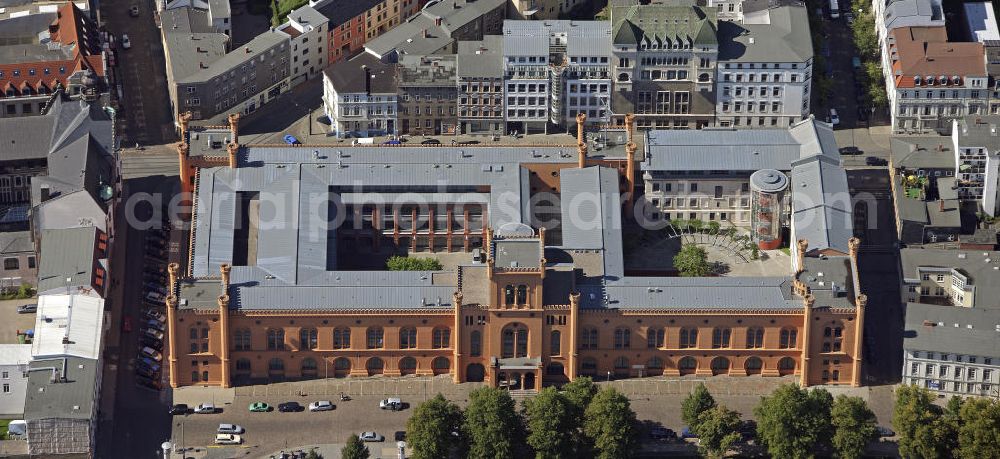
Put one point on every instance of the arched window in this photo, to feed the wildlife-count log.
(720, 337)
(475, 344)
(243, 365)
(276, 339)
(341, 367)
(720, 365)
(341, 338)
(687, 365)
(276, 365)
(194, 332)
(441, 338)
(375, 366)
(555, 342)
(786, 365)
(307, 338)
(242, 340)
(588, 366)
(827, 332)
(440, 365)
(588, 339)
(555, 369)
(376, 338)
(623, 338)
(522, 294)
(407, 338)
(755, 338)
(621, 363)
(515, 341)
(788, 338)
(508, 294)
(308, 364)
(753, 365)
(408, 365)
(655, 364)
(689, 338)
(654, 337)
(837, 332)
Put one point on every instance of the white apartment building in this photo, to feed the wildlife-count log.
(976, 143)
(14, 360)
(765, 68)
(952, 340)
(360, 97)
(576, 65)
(309, 39)
(932, 81)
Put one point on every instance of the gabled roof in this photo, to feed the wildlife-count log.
(663, 25)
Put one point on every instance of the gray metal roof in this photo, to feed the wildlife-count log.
(73, 398)
(784, 37)
(533, 38)
(420, 35)
(183, 56)
(952, 330)
(691, 293)
(15, 242)
(979, 131)
(66, 254)
(591, 215)
(271, 39)
(981, 269)
(821, 204)
(925, 152)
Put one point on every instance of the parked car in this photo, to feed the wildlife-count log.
(834, 117)
(688, 433)
(178, 409)
(875, 161)
(154, 314)
(149, 363)
(856, 63)
(662, 433)
(205, 408)
(155, 325)
(149, 383)
(850, 151)
(392, 142)
(155, 334)
(126, 43)
(151, 353)
(431, 142)
(146, 372)
(391, 403)
(228, 439)
(370, 436)
(291, 140)
(230, 429)
(153, 343)
(748, 429)
(290, 407)
(133, 11)
(885, 431)
(259, 407)
(154, 297)
(27, 308)
(322, 405)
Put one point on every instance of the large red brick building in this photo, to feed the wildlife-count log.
(275, 284)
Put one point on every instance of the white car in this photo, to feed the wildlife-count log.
(834, 117)
(151, 353)
(228, 439)
(391, 403)
(322, 405)
(155, 334)
(370, 436)
(230, 429)
(205, 408)
(125, 41)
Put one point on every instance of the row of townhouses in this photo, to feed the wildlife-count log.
(673, 65)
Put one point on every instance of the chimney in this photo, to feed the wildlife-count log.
(437, 22)
(941, 205)
(424, 33)
(45, 192)
(368, 79)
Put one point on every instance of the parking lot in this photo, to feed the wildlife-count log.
(14, 322)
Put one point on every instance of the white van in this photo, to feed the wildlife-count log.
(364, 141)
(391, 403)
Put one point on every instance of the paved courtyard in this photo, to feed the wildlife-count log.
(656, 401)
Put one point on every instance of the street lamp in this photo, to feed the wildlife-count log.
(165, 447)
(609, 376)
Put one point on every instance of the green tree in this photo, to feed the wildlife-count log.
(718, 429)
(698, 401)
(312, 454)
(923, 431)
(792, 421)
(609, 422)
(578, 395)
(692, 261)
(549, 424)
(430, 430)
(855, 426)
(354, 449)
(979, 433)
(397, 263)
(491, 423)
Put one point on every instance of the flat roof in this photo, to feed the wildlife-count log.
(783, 37)
(952, 330)
(70, 325)
(72, 398)
(981, 21)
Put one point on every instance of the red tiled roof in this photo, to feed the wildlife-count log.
(67, 29)
(926, 51)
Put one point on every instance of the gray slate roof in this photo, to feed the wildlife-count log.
(349, 76)
(663, 24)
(15, 242)
(408, 37)
(785, 38)
(66, 254)
(950, 333)
(924, 152)
(979, 131)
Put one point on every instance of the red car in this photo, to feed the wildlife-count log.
(127, 324)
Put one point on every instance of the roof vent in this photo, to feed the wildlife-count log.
(928, 323)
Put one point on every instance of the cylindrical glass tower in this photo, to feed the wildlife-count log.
(767, 188)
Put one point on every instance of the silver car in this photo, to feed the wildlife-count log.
(230, 429)
(322, 405)
(370, 436)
